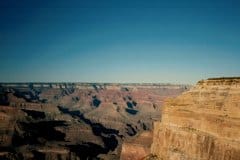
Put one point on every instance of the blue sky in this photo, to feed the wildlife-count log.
(119, 41)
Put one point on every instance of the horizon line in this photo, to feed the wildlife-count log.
(62, 82)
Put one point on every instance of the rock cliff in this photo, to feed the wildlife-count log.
(201, 124)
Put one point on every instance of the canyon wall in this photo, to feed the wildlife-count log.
(201, 124)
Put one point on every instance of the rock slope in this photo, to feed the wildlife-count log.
(201, 124)
(138, 147)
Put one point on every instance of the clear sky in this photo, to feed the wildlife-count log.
(176, 41)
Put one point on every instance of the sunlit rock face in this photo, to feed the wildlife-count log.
(76, 120)
(201, 124)
(138, 147)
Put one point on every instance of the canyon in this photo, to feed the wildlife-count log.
(78, 120)
(121, 121)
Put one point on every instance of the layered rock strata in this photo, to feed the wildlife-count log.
(76, 120)
(201, 124)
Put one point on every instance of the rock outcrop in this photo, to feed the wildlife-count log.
(138, 147)
(201, 124)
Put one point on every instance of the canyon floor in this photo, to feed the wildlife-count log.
(77, 120)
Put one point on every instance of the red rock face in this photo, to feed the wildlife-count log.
(72, 121)
(137, 148)
(201, 124)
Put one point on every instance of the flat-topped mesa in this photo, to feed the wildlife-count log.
(201, 124)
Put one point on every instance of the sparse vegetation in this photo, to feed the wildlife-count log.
(223, 78)
(152, 157)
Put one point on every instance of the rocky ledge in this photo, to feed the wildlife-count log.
(201, 124)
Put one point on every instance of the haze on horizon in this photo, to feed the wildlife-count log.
(119, 41)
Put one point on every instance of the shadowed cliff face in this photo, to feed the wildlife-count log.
(72, 120)
(110, 141)
(201, 124)
(36, 130)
